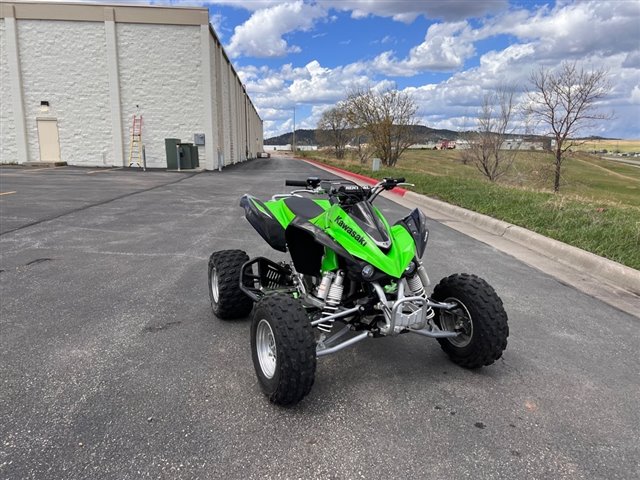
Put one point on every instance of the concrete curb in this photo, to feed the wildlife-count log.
(339, 171)
(612, 272)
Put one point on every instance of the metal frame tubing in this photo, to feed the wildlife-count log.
(326, 351)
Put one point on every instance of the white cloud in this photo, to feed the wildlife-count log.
(597, 34)
(408, 10)
(564, 32)
(312, 84)
(244, 4)
(217, 20)
(400, 10)
(632, 60)
(446, 47)
(494, 63)
(577, 29)
(275, 92)
(262, 34)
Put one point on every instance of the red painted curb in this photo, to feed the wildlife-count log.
(371, 181)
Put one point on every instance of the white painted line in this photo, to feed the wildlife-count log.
(29, 170)
(107, 170)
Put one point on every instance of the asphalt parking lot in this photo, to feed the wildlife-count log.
(112, 365)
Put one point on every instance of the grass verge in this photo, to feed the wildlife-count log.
(604, 227)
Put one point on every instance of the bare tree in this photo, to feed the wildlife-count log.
(566, 101)
(332, 129)
(388, 118)
(364, 150)
(487, 146)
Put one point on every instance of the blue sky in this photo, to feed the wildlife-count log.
(307, 54)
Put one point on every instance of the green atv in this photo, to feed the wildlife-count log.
(349, 268)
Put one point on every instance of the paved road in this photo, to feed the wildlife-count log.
(113, 366)
(634, 163)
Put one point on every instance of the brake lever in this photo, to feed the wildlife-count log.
(296, 193)
(405, 184)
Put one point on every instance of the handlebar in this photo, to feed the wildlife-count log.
(295, 183)
(389, 182)
(345, 193)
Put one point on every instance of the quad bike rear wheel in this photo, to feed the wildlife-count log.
(283, 349)
(479, 317)
(227, 300)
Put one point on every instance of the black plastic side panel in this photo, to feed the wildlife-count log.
(306, 244)
(268, 227)
(416, 225)
(306, 253)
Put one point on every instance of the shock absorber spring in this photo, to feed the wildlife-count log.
(325, 284)
(334, 297)
(417, 290)
(415, 285)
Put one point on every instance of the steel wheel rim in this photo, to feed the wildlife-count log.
(460, 321)
(215, 293)
(266, 349)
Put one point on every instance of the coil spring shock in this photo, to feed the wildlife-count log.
(334, 297)
(417, 289)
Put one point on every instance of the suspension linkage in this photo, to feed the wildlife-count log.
(443, 305)
(343, 313)
(326, 351)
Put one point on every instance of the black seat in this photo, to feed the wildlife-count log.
(303, 207)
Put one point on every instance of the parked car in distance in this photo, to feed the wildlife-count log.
(264, 155)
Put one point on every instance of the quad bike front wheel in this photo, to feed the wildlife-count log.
(479, 317)
(227, 300)
(283, 348)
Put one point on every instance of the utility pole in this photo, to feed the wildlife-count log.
(293, 146)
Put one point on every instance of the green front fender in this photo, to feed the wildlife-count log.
(336, 223)
(346, 232)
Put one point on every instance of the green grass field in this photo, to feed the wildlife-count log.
(598, 208)
(610, 145)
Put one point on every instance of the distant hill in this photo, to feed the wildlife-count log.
(308, 137)
(303, 137)
(423, 135)
(596, 138)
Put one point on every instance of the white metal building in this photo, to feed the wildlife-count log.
(73, 75)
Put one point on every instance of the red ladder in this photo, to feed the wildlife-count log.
(135, 144)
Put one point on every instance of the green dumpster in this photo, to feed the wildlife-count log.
(170, 145)
(185, 156)
(195, 160)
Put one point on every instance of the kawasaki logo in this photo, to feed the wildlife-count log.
(356, 236)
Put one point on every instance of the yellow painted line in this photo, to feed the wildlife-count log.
(6, 193)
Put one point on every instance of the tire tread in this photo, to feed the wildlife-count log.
(296, 348)
(490, 320)
(232, 302)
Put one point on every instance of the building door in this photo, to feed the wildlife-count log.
(48, 139)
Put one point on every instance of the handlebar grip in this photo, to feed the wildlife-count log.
(295, 183)
(400, 180)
